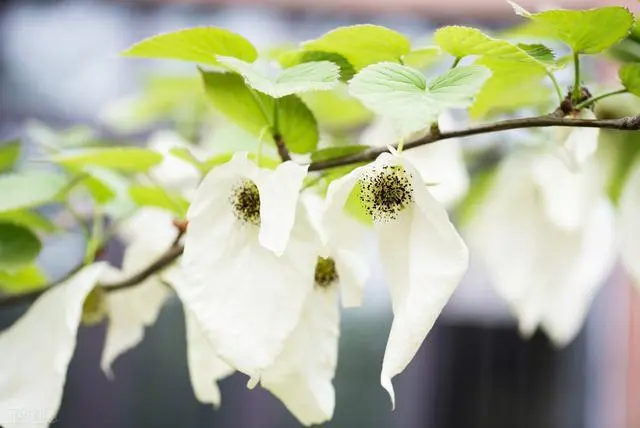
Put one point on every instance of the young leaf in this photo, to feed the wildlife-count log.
(155, 196)
(200, 45)
(254, 111)
(305, 77)
(362, 45)
(30, 219)
(584, 31)
(9, 154)
(19, 246)
(422, 57)
(337, 110)
(539, 51)
(126, 159)
(464, 41)
(24, 279)
(291, 58)
(630, 77)
(402, 94)
(29, 189)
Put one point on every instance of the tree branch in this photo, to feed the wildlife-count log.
(283, 152)
(631, 123)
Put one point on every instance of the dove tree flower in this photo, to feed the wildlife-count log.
(35, 351)
(301, 376)
(248, 257)
(547, 243)
(423, 256)
(577, 145)
(629, 226)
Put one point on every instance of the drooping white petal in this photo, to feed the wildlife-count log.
(245, 297)
(576, 145)
(629, 224)
(538, 267)
(205, 367)
(569, 302)
(279, 192)
(424, 260)
(567, 195)
(133, 309)
(35, 351)
(440, 164)
(302, 375)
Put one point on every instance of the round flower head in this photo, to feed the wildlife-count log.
(423, 256)
(547, 272)
(248, 257)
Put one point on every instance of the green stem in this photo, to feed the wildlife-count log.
(456, 62)
(556, 85)
(590, 101)
(95, 240)
(577, 88)
(400, 146)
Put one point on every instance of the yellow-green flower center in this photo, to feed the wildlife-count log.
(386, 191)
(326, 273)
(94, 308)
(245, 200)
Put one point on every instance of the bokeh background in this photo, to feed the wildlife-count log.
(59, 63)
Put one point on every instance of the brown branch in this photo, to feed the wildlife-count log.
(283, 152)
(626, 124)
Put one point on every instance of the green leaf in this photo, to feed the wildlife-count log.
(200, 45)
(422, 58)
(337, 110)
(511, 86)
(254, 111)
(30, 219)
(295, 57)
(336, 152)
(362, 45)
(19, 246)
(24, 279)
(126, 159)
(353, 206)
(30, 189)
(584, 31)
(540, 52)
(305, 77)
(158, 197)
(464, 41)
(9, 154)
(630, 77)
(402, 94)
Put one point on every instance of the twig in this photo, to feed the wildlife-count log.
(631, 123)
(282, 148)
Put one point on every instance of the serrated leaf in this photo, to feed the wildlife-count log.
(158, 197)
(539, 51)
(200, 45)
(9, 154)
(30, 189)
(422, 58)
(630, 77)
(24, 279)
(584, 31)
(126, 159)
(29, 219)
(362, 45)
(401, 93)
(511, 86)
(19, 246)
(625, 147)
(295, 57)
(464, 41)
(336, 152)
(305, 77)
(254, 111)
(337, 110)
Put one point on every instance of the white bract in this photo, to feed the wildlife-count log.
(248, 257)
(576, 145)
(301, 376)
(546, 254)
(440, 164)
(423, 256)
(629, 224)
(35, 351)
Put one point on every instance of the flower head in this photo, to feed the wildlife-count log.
(423, 256)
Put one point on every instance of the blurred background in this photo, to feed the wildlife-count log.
(59, 63)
